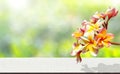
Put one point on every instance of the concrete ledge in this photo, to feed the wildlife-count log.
(59, 65)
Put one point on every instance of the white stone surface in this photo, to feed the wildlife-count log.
(59, 65)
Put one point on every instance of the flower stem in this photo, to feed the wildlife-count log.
(79, 59)
(114, 43)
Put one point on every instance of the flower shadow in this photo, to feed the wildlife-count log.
(102, 68)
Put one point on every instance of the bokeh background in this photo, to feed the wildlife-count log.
(43, 28)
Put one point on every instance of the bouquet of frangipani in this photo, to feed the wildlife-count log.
(93, 35)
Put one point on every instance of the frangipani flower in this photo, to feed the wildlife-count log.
(93, 35)
(76, 49)
(77, 34)
(84, 23)
(104, 38)
(90, 44)
(93, 27)
(95, 18)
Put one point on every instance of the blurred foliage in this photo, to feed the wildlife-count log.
(43, 28)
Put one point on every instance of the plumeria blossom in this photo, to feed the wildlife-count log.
(104, 38)
(93, 27)
(90, 44)
(93, 35)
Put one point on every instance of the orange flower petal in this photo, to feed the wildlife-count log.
(109, 37)
(103, 31)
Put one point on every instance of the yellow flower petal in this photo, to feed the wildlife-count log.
(105, 43)
(77, 34)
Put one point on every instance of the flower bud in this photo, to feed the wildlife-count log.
(111, 12)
